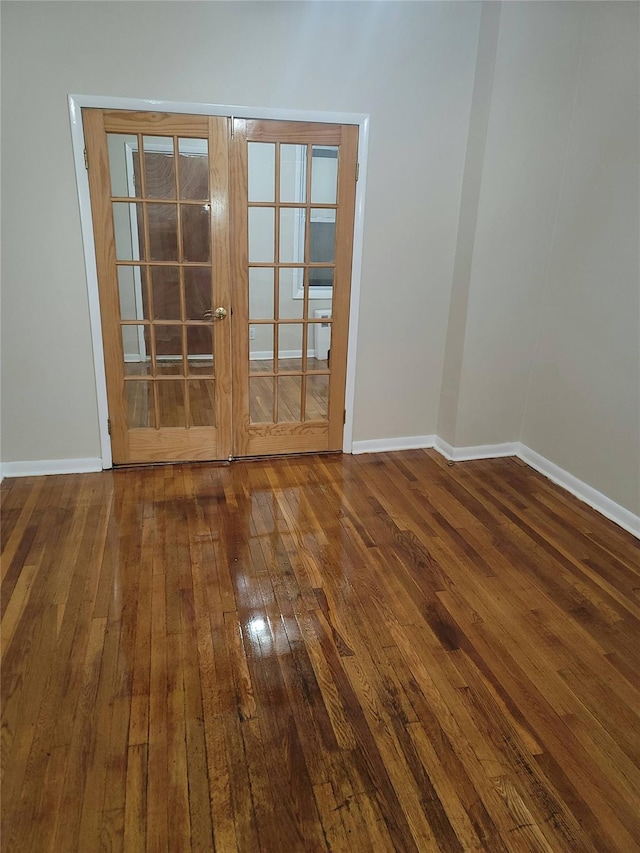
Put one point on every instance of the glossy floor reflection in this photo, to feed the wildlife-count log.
(331, 653)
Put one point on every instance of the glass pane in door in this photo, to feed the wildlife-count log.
(139, 404)
(197, 293)
(163, 231)
(202, 402)
(128, 224)
(168, 344)
(261, 235)
(171, 403)
(261, 348)
(317, 398)
(293, 173)
(122, 165)
(324, 174)
(159, 167)
(289, 391)
(320, 292)
(196, 233)
(132, 292)
(165, 292)
(291, 293)
(292, 234)
(289, 347)
(261, 399)
(193, 168)
(136, 350)
(261, 158)
(261, 293)
(200, 350)
(319, 346)
(322, 236)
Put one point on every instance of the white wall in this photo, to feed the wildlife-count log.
(409, 65)
(468, 220)
(537, 59)
(583, 408)
(547, 330)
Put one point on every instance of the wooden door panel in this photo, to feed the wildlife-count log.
(169, 124)
(266, 416)
(168, 375)
(172, 445)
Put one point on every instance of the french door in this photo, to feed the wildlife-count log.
(223, 250)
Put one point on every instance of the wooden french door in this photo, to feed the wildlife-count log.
(293, 185)
(223, 250)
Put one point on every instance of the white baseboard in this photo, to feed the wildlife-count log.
(382, 445)
(479, 451)
(595, 499)
(40, 467)
(424, 442)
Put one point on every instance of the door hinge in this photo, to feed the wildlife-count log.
(357, 171)
(344, 417)
(109, 425)
(232, 121)
(86, 160)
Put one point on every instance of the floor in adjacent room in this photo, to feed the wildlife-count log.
(366, 653)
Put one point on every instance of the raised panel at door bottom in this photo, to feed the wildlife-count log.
(173, 444)
(287, 438)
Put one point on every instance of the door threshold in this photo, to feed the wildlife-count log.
(224, 463)
(123, 466)
(265, 457)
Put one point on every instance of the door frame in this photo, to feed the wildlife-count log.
(77, 102)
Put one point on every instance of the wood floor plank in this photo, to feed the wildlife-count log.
(326, 653)
(135, 824)
(220, 741)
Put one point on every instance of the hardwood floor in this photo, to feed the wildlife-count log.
(338, 653)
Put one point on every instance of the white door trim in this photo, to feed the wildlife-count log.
(76, 102)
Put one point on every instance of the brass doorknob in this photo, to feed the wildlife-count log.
(220, 313)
